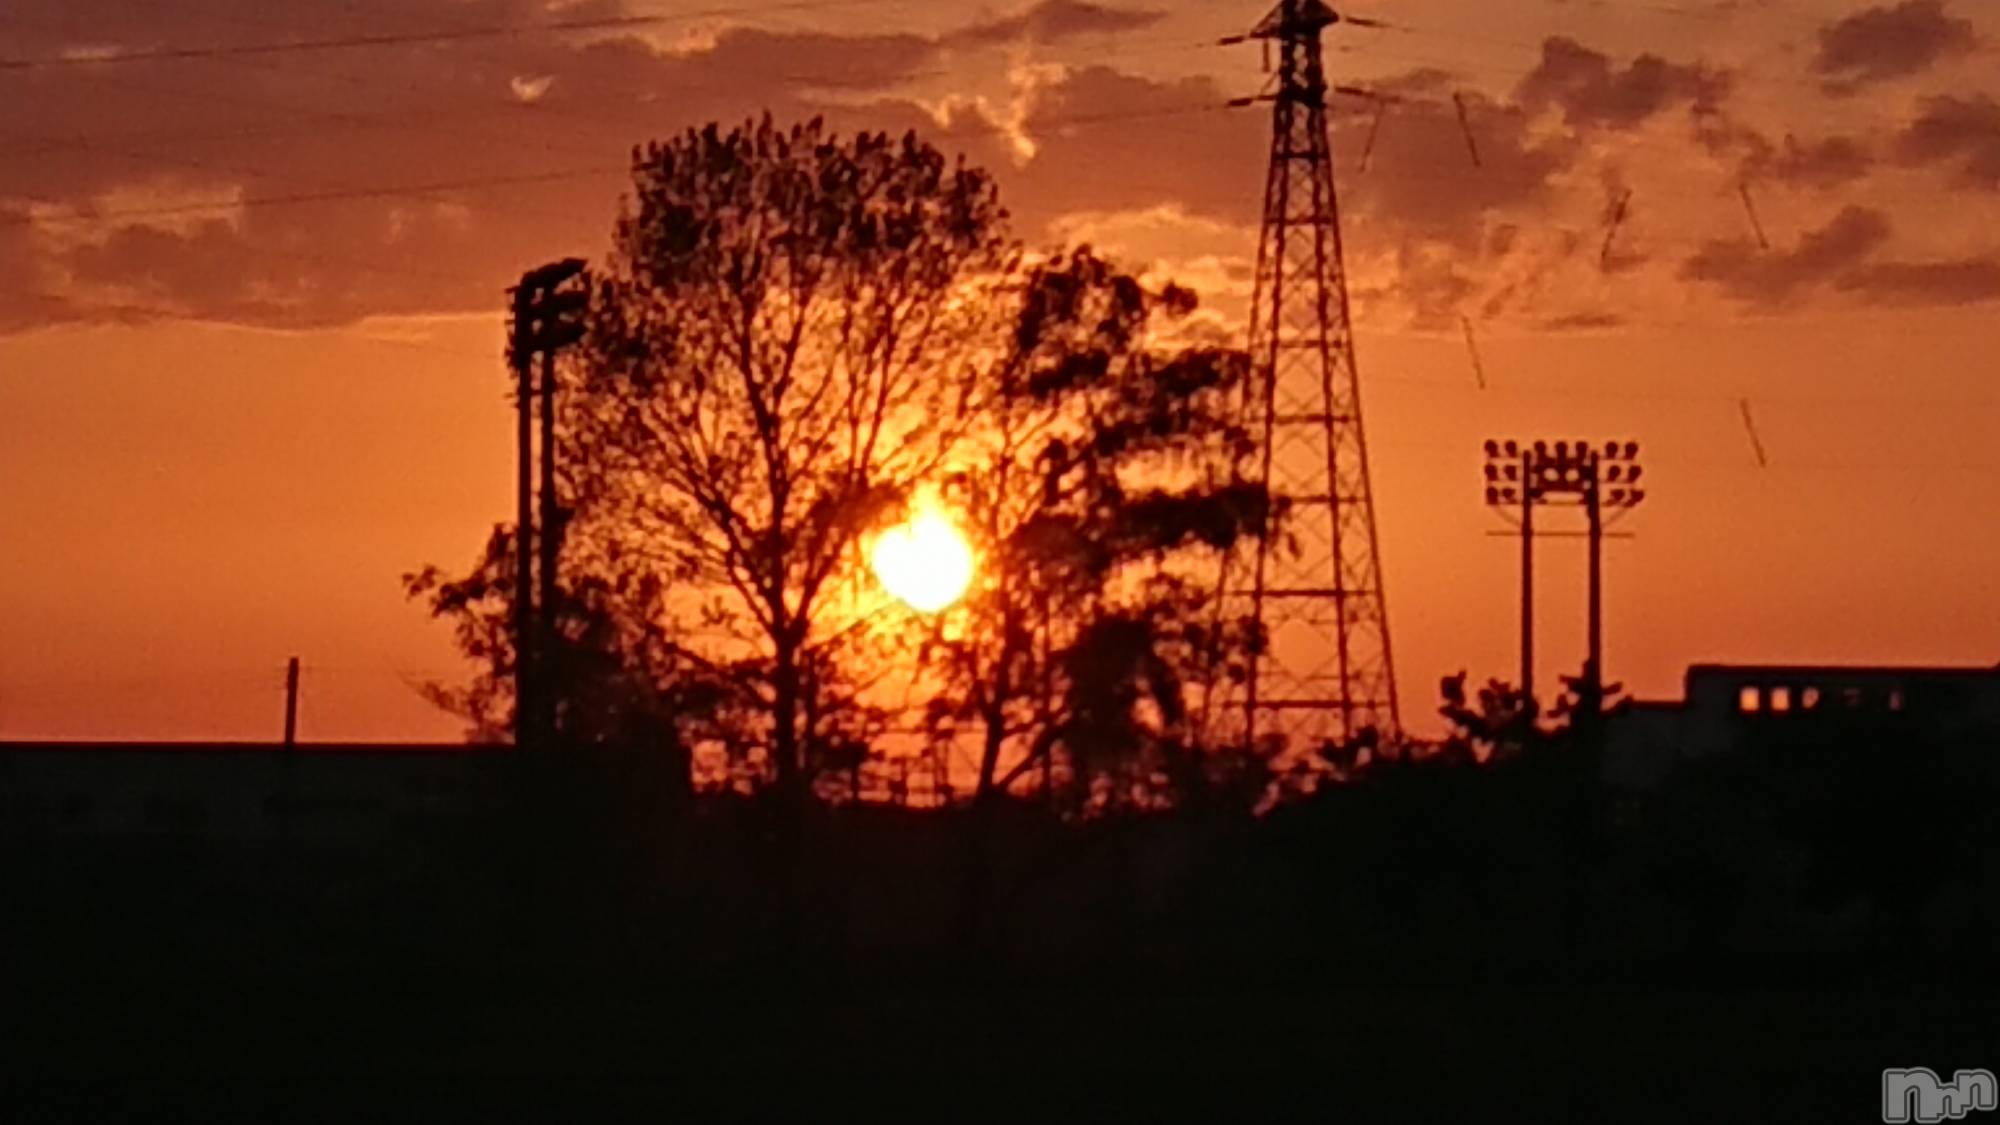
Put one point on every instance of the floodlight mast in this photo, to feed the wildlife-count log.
(1571, 473)
(547, 317)
(1527, 585)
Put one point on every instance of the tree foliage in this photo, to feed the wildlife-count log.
(1090, 483)
(784, 342)
(795, 337)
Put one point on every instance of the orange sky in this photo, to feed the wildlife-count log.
(249, 354)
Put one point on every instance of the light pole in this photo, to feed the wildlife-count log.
(1574, 474)
(546, 319)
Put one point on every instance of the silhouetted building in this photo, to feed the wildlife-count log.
(1729, 708)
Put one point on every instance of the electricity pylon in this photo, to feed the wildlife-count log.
(1324, 672)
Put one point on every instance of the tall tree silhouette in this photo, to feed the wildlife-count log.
(786, 341)
(1090, 480)
(617, 681)
(796, 335)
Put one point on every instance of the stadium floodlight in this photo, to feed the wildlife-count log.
(1565, 472)
(549, 307)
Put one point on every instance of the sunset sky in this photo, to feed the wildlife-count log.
(252, 258)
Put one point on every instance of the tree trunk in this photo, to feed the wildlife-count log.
(994, 705)
(989, 756)
(788, 841)
(785, 721)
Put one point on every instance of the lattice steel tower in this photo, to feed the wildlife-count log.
(1326, 672)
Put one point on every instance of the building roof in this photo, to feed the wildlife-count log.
(1843, 671)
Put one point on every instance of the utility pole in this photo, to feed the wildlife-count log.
(546, 319)
(1571, 473)
(1322, 673)
(549, 535)
(1593, 508)
(292, 704)
(1528, 593)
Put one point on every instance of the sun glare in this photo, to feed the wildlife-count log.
(925, 562)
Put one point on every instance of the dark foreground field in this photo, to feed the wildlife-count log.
(269, 1045)
(1005, 966)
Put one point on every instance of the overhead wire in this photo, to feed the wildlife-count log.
(488, 182)
(427, 37)
(396, 121)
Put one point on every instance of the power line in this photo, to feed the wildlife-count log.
(481, 183)
(420, 38)
(428, 121)
(90, 310)
(394, 121)
(1511, 75)
(1327, 585)
(474, 183)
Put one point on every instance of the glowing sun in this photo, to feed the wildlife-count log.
(926, 563)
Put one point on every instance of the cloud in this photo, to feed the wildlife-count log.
(1052, 21)
(756, 61)
(1588, 321)
(23, 301)
(1591, 91)
(1517, 167)
(1108, 141)
(1823, 164)
(300, 267)
(1843, 255)
(1962, 281)
(1419, 246)
(379, 181)
(1820, 164)
(1779, 278)
(1960, 133)
(394, 181)
(1884, 43)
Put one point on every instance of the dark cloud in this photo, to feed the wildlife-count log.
(1884, 43)
(23, 301)
(1780, 277)
(1962, 134)
(1962, 281)
(1582, 322)
(1108, 141)
(302, 267)
(1827, 163)
(512, 149)
(1444, 243)
(755, 61)
(1820, 164)
(1843, 256)
(1052, 21)
(1421, 130)
(146, 160)
(1591, 91)
(1428, 284)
